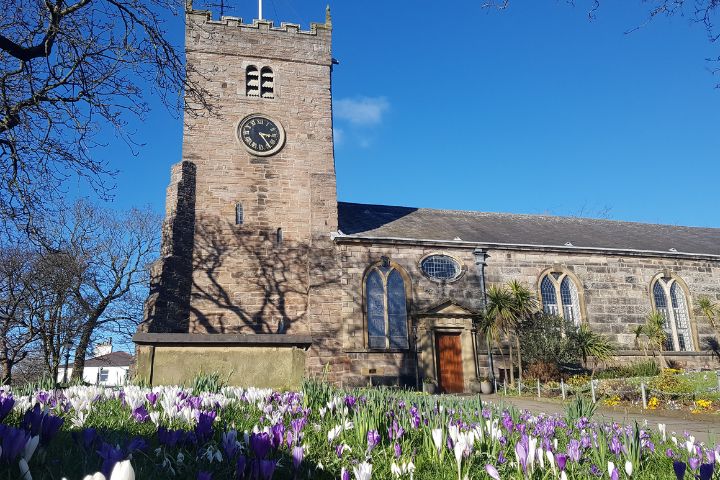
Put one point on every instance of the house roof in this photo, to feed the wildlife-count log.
(383, 221)
(114, 359)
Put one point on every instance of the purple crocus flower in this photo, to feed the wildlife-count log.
(49, 427)
(492, 471)
(85, 438)
(693, 463)
(7, 402)
(204, 476)
(229, 444)
(615, 446)
(398, 450)
(373, 438)
(679, 468)
(260, 444)
(298, 454)
(32, 420)
(204, 429)
(140, 414)
(241, 464)
(669, 453)
(521, 452)
(13, 442)
(267, 468)
(706, 471)
(110, 456)
(561, 460)
(278, 432)
(152, 398)
(615, 475)
(573, 450)
(595, 470)
(344, 474)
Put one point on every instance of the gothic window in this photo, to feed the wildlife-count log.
(559, 285)
(267, 83)
(239, 214)
(669, 300)
(386, 308)
(252, 81)
(278, 237)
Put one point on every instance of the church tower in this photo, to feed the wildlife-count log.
(247, 272)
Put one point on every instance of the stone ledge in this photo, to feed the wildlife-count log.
(226, 339)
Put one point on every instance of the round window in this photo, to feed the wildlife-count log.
(440, 267)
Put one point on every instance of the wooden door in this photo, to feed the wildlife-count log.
(449, 353)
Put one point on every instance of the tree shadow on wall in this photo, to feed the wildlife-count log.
(247, 282)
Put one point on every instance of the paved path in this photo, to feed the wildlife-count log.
(705, 428)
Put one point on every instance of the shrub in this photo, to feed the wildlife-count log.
(641, 369)
(669, 382)
(543, 371)
(546, 339)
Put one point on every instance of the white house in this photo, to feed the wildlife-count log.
(110, 369)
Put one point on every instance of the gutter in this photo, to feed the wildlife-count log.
(340, 238)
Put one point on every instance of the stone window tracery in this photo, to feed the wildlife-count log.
(559, 285)
(670, 301)
(386, 308)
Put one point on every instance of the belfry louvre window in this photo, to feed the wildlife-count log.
(669, 300)
(559, 286)
(267, 83)
(252, 81)
(386, 308)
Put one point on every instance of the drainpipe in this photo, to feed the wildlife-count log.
(480, 264)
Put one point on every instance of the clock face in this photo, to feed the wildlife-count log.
(261, 135)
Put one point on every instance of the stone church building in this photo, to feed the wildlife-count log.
(265, 277)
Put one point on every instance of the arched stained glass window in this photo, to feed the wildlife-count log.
(397, 310)
(559, 285)
(375, 298)
(669, 300)
(570, 300)
(549, 299)
(386, 308)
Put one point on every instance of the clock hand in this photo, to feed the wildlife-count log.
(263, 135)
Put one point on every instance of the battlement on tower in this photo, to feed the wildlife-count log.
(205, 16)
(230, 36)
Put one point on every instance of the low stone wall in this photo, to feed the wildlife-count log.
(171, 359)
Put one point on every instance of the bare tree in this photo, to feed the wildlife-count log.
(16, 329)
(111, 253)
(67, 70)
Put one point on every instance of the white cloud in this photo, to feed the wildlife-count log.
(361, 110)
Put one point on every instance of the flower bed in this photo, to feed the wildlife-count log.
(320, 433)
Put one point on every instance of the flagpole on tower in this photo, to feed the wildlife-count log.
(260, 10)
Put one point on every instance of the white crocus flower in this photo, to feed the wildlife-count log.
(690, 445)
(95, 476)
(551, 460)
(363, 471)
(628, 468)
(437, 436)
(662, 430)
(30, 447)
(24, 469)
(531, 453)
(334, 432)
(611, 467)
(395, 470)
(122, 471)
(540, 457)
(563, 476)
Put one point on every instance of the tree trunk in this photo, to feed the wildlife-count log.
(81, 349)
(510, 363)
(6, 365)
(490, 358)
(519, 357)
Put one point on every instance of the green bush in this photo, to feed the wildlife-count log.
(547, 339)
(669, 382)
(641, 369)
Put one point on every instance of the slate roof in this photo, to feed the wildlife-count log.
(381, 221)
(114, 359)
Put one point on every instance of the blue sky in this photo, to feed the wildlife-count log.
(533, 109)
